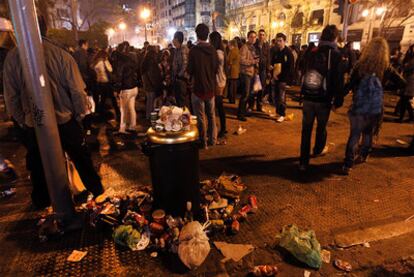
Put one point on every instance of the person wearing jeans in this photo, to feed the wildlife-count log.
(128, 113)
(203, 66)
(312, 111)
(248, 64)
(279, 98)
(206, 119)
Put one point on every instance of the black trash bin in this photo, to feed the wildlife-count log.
(174, 163)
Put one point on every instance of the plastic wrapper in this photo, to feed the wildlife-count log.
(127, 236)
(303, 245)
(194, 246)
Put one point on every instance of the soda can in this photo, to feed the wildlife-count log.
(245, 210)
(159, 216)
(229, 209)
(253, 203)
(235, 226)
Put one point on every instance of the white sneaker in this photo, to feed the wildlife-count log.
(280, 119)
(324, 152)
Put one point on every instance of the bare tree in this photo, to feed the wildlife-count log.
(238, 20)
(397, 13)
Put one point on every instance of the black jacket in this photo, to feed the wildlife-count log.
(335, 77)
(284, 57)
(202, 67)
(264, 55)
(151, 74)
(125, 72)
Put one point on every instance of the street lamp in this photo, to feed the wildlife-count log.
(365, 13)
(380, 11)
(122, 26)
(110, 32)
(145, 14)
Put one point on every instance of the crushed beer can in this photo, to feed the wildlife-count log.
(253, 203)
(245, 210)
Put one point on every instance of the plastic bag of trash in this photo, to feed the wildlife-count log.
(303, 245)
(194, 246)
(127, 236)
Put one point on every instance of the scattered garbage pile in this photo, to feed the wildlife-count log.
(136, 226)
(171, 119)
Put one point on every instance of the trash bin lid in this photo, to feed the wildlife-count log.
(173, 137)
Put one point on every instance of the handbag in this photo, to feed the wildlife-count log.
(76, 185)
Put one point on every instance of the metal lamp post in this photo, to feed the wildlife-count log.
(145, 14)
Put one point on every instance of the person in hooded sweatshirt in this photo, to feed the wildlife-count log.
(202, 67)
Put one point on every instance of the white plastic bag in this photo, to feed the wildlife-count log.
(194, 246)
(257, 86)
(91, 104)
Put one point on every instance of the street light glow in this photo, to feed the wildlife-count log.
(380, 10)
(122, 26)
(274, 24)
(233, 29)
(110, 32)
(171, 31)
(365, 13)
(145, 13)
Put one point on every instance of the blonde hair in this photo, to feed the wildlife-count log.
(375, 58)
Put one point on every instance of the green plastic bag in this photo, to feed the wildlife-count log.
(301, 244)
(127, 236)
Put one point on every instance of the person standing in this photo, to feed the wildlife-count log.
(262, 48)
(365, 115)
(81, 58)
(215, 40)
(127, 83)
(322, 88)
(283, 63)
(407, 94)
(202, 67)
(179, 66)
(248, 64)
(69, 98)
(233, 64)
(151, 78)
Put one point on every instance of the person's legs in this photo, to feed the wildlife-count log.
(403, 106)
(356, 127)
(281, 99)
(261, 93)
(211, 117)
(367, 135)
(307, 126)
(40, 194)
(222, 115)
(149, 104)
(246, 82)
(132, 123)
(323, 111)
(74, 144)
(123, 96)
(199, 111)
(233, 91)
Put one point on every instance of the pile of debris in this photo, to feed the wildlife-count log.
(136, 226)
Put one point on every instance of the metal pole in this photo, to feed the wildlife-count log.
(347, 7)
(74, 4)
(146, 32)
(35, 74)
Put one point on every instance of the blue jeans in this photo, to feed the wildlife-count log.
(360, 125)
(279, 97)
(247, 85)
(312, 111)
(202, 109)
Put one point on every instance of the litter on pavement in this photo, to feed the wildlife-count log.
(234, 252)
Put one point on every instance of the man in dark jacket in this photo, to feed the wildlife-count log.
(81, 58)
(69, 98)
(318, 102)
(202, 67)
(263, 53)
(282, 59)
(179, 67)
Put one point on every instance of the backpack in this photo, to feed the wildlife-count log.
(315, 79)
(368, 96)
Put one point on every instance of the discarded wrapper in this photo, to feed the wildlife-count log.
(326, 256)
(265, 270)
(343, 265)
(77, 256)
(144, 241)
(306, 273)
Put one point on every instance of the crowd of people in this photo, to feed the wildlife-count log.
(200, 76)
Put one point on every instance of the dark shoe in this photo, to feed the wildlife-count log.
(222, 134)
(346, 170)
(241, 118)
(81, 198)
(303, 168)
(361, 159)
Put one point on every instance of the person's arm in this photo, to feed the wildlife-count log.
(76, 87)
(108, 66)
(190, 66)
(12, 91)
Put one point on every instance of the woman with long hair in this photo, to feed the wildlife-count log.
(365, 115)
(216, 42)
(103, 69)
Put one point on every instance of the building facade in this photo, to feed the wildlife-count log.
(303, 21)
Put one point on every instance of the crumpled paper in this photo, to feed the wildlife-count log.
(234, 252)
